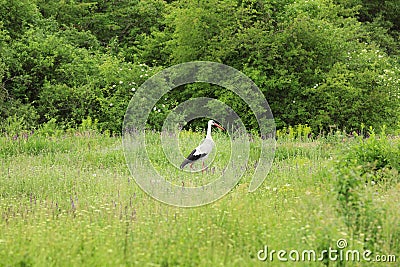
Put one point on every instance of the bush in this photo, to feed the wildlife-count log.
(315, 62)
(369, 163)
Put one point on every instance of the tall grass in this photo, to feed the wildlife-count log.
(69, 200)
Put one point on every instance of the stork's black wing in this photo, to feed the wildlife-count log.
(192, 157)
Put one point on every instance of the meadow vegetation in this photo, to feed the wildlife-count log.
(329, 70)
(68, 199)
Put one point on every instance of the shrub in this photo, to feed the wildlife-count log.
(368, 162)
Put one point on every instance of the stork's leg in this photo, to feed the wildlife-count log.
(202, 168)
(191, 166)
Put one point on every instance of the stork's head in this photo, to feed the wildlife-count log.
(213, 123)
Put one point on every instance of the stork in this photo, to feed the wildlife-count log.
(204, 149)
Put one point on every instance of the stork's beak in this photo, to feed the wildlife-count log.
(219, 126)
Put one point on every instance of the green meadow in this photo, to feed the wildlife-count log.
(68, 199)
(75, 74)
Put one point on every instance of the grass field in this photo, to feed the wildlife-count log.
(69, 200)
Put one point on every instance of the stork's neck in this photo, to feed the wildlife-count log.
(209, 131)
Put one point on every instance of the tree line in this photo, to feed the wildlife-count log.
(322, 63)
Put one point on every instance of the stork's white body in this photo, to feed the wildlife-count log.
(204, 149)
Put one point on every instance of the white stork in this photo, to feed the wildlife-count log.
(204, 149)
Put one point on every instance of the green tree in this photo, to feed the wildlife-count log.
(321, 62)
(18, 15)
(121, 24)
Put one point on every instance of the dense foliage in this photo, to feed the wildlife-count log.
(324, 63)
